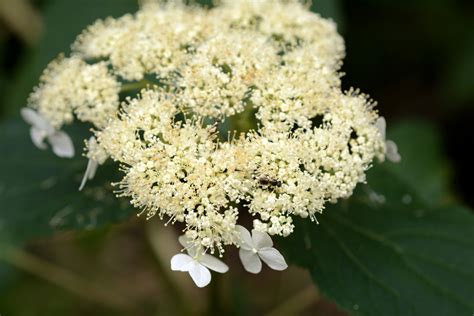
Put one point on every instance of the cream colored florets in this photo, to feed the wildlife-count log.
(235, 109)
(70, 86)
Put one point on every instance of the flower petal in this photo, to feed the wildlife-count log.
(273, 258)
(29, 115)
(188, 245)
(261, 239)
(245, 241)
(93, 169)
(37, 120)
(181, 262)
(381, 125)
(90, 172)
(184, 241)
(250, 261)
(38, 136)
(213, 263)
(200, 274)
(392, 151)
(62, 144)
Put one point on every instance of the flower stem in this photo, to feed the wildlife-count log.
(215, 303)
(297, 303)
(126, 87)
(174, 293)
(65, 279)
(243, 122)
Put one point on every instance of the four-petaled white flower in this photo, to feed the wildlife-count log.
(391, 148)
(258, 247)
(41, 129)
(197, 264)
(92, 164)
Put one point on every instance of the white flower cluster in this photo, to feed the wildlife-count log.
(239, 109)
(70, 86)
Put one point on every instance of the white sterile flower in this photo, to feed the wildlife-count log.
(42, 129)
(258, 247)
(391, 149)
(92, 164)
(196, 263)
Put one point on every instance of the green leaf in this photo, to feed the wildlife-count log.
(423, 165)
(458, 84)
(386, 250)
(330, 9)
(39, 192)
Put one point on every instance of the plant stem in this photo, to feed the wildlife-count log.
(173, 291)
(135, 85)
(297, 303)
(243, 122)
(65, 279)
(214, 303)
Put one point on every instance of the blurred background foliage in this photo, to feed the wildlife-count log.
(416, 58)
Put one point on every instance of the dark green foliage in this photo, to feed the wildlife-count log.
(394, 248)
(39, 192)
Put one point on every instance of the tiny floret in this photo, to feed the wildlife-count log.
(196, 263)
(257, 247)
(41, 130)
(391, 149)
(96, 157)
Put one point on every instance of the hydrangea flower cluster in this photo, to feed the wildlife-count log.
(238, 109)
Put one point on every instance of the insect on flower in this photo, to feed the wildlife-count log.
(267, 181)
